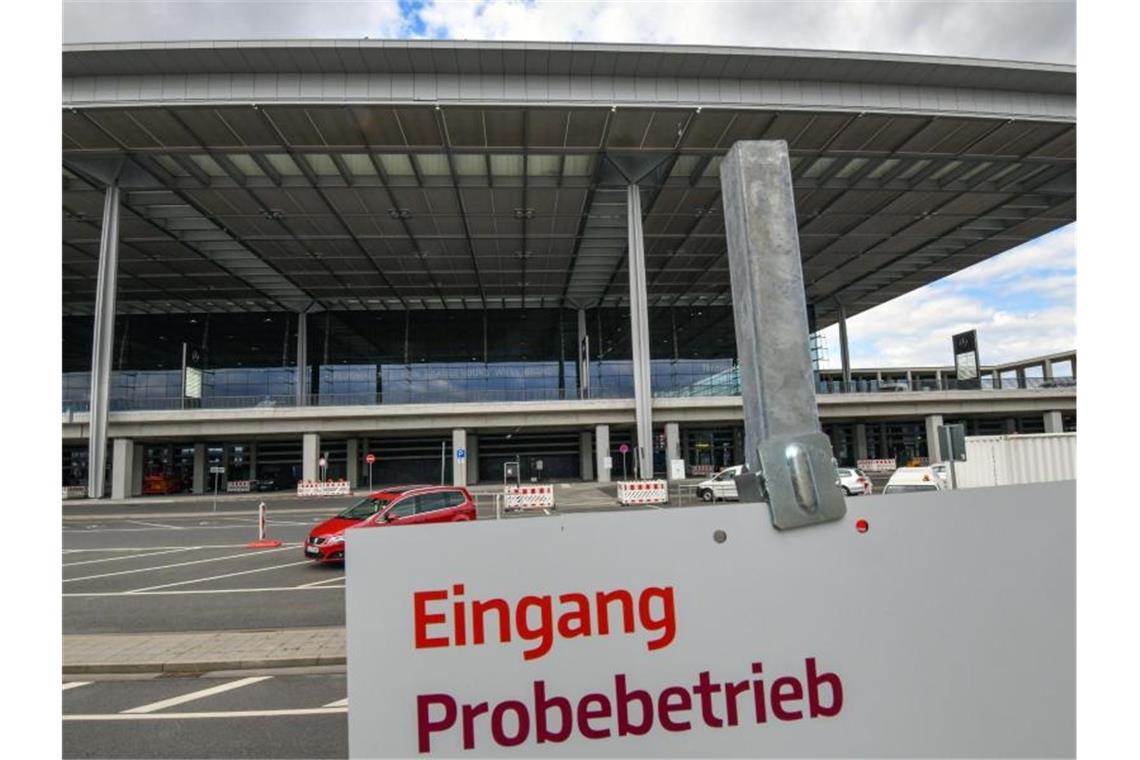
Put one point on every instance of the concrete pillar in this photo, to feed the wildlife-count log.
(933, 422)
(310, 456)
(122, 466)
(199, 484)
(1020, 377)
(938, 380)
(909, 381)
(1010, 426)
(137, 470)
(351, 462)
(586, 454)
(1054, 423)
(1047, 369)
(302, 359)
(844, 353)
(639, 333)
(672, 445)
(1073, 366)
(101, 344)
(583, 356)
(472, 459)
(860, 441)
(601, 451)
(997, 379)
(458, 466)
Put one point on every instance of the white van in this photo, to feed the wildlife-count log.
(911, 479)
(720, 486)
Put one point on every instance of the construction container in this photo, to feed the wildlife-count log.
(1003, 460)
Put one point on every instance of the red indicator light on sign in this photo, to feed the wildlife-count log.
(861, 525)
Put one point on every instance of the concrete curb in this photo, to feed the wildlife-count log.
(201, 666)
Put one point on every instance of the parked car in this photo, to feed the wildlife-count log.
(854, 482)
(399, 505)
(909, 479)
(720, 486)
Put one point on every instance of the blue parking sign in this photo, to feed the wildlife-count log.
(461, 454)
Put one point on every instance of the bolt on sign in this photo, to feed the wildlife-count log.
(924, 624)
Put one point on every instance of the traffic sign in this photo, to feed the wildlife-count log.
(370, 458)
(461, 454)
(324, 462)
(624, 448)
(217, 470)
(637, 658)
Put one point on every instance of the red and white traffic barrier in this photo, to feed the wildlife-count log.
(876, 465)
(238, 486)
(528, 497)
(263, 540)
(74, 492)
(642, 492)
(323, 488)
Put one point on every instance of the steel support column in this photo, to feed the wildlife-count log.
(583, 356)
(302, 359)
(639, 333)
(101, 344)
(844, 353)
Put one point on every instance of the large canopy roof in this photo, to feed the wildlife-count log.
(373, 175)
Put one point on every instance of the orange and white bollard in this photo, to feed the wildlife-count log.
(262, 542)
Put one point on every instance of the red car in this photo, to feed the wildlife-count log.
(398, 505)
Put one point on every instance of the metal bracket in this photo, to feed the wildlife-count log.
(797, 479)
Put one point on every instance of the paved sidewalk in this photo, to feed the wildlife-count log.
(200, 652)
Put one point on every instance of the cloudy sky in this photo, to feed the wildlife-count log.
(1022, 303)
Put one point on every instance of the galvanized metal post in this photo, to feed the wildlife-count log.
(789, 460)
(101, 344)
(639, 333)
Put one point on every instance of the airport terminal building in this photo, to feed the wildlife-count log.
(278, 254)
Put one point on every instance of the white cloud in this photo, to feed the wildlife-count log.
(1036, 31)
(1028, 31)
(1055, 251)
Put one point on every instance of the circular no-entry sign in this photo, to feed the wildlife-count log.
(624, 448)
(370, 458)
(324, 462)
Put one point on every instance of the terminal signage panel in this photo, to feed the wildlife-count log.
(966, 359)
(945, 628)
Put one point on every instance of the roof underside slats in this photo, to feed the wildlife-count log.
(373, 207)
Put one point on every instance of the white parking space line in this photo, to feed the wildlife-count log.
(218, 577)
(324, 580)
(76, 684)
(157, 525)
(201, 715)
(148, 548)
(155, 706)
(131, 556)
(183, 592)
(338, 703)
(258, 553)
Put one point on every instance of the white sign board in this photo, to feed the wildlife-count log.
(947, 628)
(608, 462)
(217, 470)
(676, 469)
